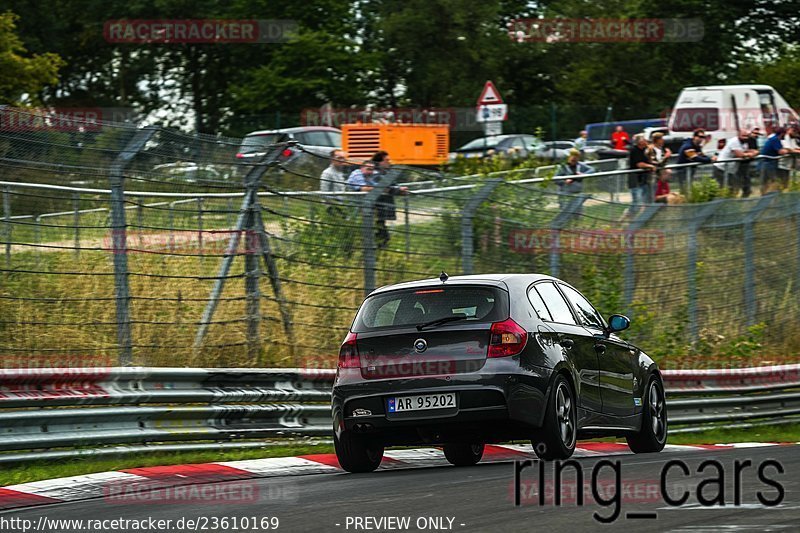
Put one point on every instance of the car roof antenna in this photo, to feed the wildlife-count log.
(443, 276)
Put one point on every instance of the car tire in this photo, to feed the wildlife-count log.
(653, 434)
(558, 435)
(357, 454)
(463, 454)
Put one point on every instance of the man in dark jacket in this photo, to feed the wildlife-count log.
(639, 182)
(691, 151)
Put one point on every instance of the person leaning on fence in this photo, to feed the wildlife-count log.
(573, 166)
(367, 178)
(639, 182)
(691, 151)
(334, 177)
(768, 165)
(788, 164)
(729, 174)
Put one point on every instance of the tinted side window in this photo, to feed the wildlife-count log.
(558, 307)
(313, 138)
(586, 312)
(538, 305)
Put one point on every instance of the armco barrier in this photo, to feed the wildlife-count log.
(59, 413)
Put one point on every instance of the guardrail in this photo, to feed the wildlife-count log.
(61, 413)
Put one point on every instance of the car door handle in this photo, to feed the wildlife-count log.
(567, 344)
(600, 348)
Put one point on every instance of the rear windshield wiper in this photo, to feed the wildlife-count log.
(440, 321)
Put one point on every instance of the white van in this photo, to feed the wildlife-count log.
(721, 110)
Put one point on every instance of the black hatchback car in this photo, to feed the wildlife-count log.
(480, 359)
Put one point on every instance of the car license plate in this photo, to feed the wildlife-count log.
(423, 402)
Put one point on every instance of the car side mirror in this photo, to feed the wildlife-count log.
(617, 323)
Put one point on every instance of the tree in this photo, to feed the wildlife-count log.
(22, 78)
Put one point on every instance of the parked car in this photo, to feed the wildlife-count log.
(465, 361)
(517, 145)
(308, 157)
(554, 150)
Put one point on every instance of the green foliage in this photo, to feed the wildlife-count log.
(22, 78)
(500, 162)
(704, 190)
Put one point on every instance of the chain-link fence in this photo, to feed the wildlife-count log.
(152, 247)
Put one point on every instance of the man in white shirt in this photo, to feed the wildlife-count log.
(334, 177)
(730, 172)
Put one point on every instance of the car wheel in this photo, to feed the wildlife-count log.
(463, 454)
(653, 435)
(557, 438)
(356, 453)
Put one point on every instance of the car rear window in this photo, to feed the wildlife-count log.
(316, 138)
(411, 307)
(255, 143)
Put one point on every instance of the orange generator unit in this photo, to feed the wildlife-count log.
(406, 144)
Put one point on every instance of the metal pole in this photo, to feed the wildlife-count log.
(171, 217)
(200, 229)
(140, 220)
(37, 237)
(407, 227)
(691, 263)
(7, 218)
(77, 221)
(630, 273)
(119, 239)
(467, 216)
(252, 278)
(749, 255)
(368, 202)
(570, 211)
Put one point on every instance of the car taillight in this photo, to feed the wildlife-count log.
(240, 155)
(348, 353)
(507, 338)
(287, 152)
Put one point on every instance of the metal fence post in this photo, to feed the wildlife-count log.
(77, 221)
(119, 241)
(467, 227)
(570, 211)
(200, 228)
(368, 202)
(171, 218)
(37, 237)
(252, 279)
(749, 261)
(630, 273)
(7, 218)
(407, 226)
(691, 262)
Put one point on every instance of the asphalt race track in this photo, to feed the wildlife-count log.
(482, 498)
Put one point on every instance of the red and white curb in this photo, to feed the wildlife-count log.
(103, 484)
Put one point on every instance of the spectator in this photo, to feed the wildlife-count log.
(792, 147)
(580, 141)
(768, 165)
(657, 151)
(366, 179)
(663, 194)
(729, 174)
(639, 182)
(620, 139)
(572, 167)
(691, 151)
(334, 177)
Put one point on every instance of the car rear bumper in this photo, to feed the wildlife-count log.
(490, 407)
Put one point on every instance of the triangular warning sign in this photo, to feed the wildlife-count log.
(489, 95)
